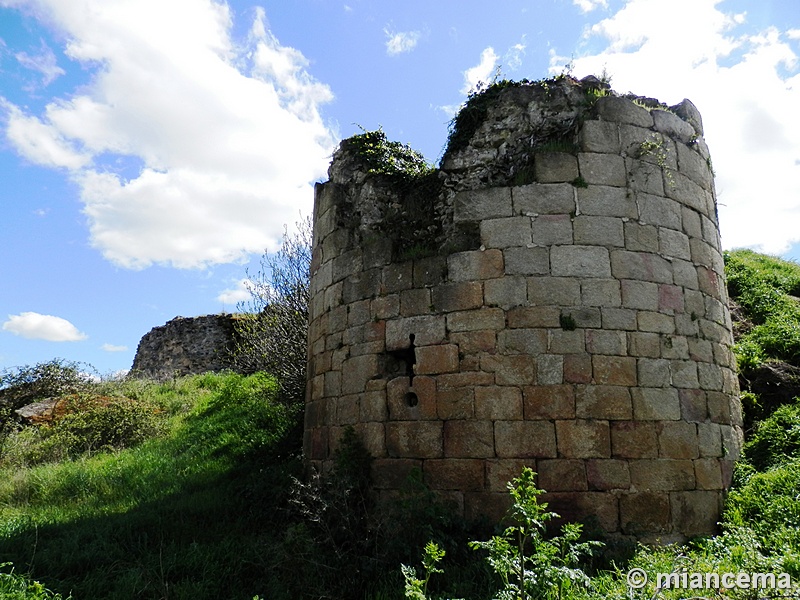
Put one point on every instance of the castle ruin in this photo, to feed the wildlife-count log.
(553, 296)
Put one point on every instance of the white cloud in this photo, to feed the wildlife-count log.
(589, 5)
(239, 293)
(35, 326)
(482, 72)
(228, 132)
(113, 348)
(45, 63)
(736, 76)
(40, 143)
(398, 43)
(513, 58)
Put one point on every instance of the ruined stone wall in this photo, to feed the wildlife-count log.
(185, 346)
(569, 314)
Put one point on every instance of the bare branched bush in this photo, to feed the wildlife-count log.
(271, 332)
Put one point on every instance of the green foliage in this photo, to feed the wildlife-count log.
(272, 333)
(90, 424)
(186, 514)
(766, 505)
(383, 157)
(335, 542)
(765, 288)
(580, 182)
(473, 113)
(567, 322)
(17, 587)
(528, 564)
(22, 385)
(417, 589)
(776, 439)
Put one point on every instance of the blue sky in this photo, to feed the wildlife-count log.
(151, 151)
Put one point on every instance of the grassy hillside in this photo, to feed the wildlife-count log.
(186, 513)
(193, 489)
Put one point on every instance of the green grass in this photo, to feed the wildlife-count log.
(187, 514)
(767, 288)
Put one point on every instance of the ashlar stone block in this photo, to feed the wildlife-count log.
(527, 261)
(414, 439)
(555, 167)
(609, 402)
(599, 231)
(427, 330)
(601, 292)
(486, 203)
(602, 169)
(468, 439)
(432, 360)
(582, 438)
(549, 402)
(662, 474)
(644, 512)
(606, 201)
(498, 403)
(614, 370)
(641, 266)
(554, 291)
(455, 403)
(599, 136)
(525, 439)
(475, 265)
(608, 474)
(622, 110)
(634, 439)
(696, 512)
(544, 199)
(561, 475)
(506, 232)
(670, 124)
(549, 230)
(655, 404)
(580, 261)
(677, 439)
(506, 292)
(462, 295)
(453, 474)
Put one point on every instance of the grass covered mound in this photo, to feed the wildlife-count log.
(185, 513)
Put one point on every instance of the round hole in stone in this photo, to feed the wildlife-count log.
(411, 399)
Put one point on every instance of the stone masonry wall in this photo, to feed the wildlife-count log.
(185, 346)
(579, 325)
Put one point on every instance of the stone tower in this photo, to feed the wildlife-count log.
(553, 296)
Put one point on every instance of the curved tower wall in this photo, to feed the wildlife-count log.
(571, 317)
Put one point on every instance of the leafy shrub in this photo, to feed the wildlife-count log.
(272, 334)
(84, 424)
(383, 157)
(22, 385)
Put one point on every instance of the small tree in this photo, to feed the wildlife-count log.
(271, 334)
